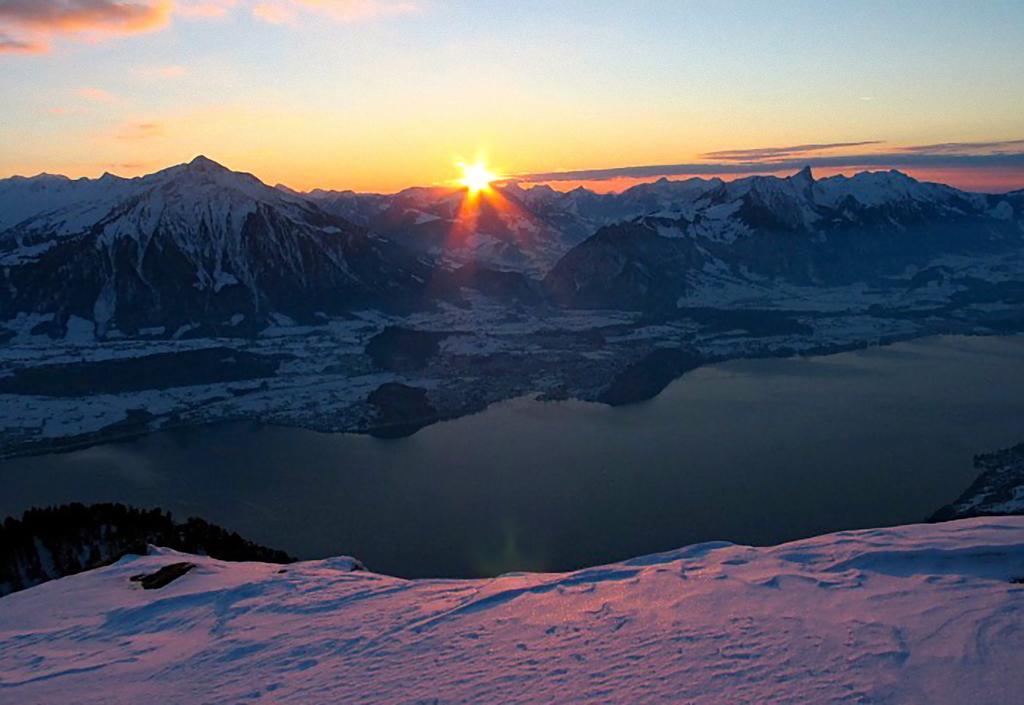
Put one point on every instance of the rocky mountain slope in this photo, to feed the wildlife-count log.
(912, 614)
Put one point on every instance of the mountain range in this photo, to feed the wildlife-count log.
(198, 247)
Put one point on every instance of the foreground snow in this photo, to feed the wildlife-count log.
(916, 614)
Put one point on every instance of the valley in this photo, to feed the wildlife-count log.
(373, 335)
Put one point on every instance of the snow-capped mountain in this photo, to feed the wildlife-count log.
(23, 198)
(494, 229)
(198, 245)
(797, 229)
(909, 614)
(509, 227)
(193, 244)
(529, 229)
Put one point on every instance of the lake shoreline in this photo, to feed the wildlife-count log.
(753, 451)
(127, 430)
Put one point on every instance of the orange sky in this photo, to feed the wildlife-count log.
(980, 180)
(378, 95)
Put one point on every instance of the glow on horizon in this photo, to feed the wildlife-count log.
(977, 180)
(476, 177)
(376, 95)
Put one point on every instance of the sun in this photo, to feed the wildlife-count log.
(476, 177)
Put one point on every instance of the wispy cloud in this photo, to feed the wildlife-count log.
(84, 15)
(64, 110)
(10, 45)
(1006, 154)
(30, 25)
(274, 13)
(138, 131)
(166, 72)
(998, 147)
(204, 9)
(287, 11)
(95, 95)
(126, 166)
(779, 152)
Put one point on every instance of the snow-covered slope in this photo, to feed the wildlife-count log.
(23, 199)
(916, 614)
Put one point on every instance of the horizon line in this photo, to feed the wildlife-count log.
(840, 164)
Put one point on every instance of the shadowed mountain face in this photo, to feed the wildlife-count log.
(624, 266)
(758, 230)
(805, 231)
(194, 244)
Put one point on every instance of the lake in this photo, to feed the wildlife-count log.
(751, 451)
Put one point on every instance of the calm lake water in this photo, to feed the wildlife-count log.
(752, 451)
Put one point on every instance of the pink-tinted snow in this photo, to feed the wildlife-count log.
(914, 614)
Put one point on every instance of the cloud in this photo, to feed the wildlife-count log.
(285, 11)
(126, 166)
(64, 110)
(168, 72)
(96, 95)
(998, 147)
(174, 71)
(288, 11)
(34, 23)
(204, 9)
(10, 45)
(84, 15)
(30, 26)
(777, 152)
(1006, 154)
(138, 131)
(273, 13)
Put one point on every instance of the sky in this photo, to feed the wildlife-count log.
(378, 95)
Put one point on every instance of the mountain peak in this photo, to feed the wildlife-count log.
(896, 173)
(43, 177)
(205, 171)
(804, 176)
(204, 163)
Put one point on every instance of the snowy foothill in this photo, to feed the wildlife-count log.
(928, 613)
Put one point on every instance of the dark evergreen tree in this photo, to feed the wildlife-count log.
(51, 542)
